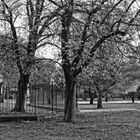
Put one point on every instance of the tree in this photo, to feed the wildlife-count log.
(138, 92)
(92, 95)
(33, 18)
(85, 85)
(84, 27)
(102, 73)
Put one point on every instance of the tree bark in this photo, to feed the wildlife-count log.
(22, 89)
(106, 97)
(91, 100)
(91, 96)
(69, 110)
(133, 99)
(1, 95)
(99, 102)
(99, 97)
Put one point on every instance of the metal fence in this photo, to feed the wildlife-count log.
(39, 99)
(49, 97)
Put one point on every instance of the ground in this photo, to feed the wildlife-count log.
(122, 105)
(96, 125)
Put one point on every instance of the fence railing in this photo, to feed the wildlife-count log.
(39, 99)
(50, 97)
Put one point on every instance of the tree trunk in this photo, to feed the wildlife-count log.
(1, 95)
(69, 110)
(22, 89)
(85, 95)
(106, 97)
(91, 96)
(91, 100)
(133, 99)
(99, 102)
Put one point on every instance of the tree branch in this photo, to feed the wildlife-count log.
(110, 12)
(94, 48)
(56, 4)
(49, 43)
(84, 34)
(49, 59)
(48, 19)
(14, 35)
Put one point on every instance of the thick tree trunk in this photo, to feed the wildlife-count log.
(99, 102)
(91, 100)
(69, 110)
(91, 96)
(106, 97)
(133, 99)
(22, 89)
(99, 97)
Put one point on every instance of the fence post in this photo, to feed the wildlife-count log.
(56, 99)
(35, 101)
(38, 97)
(76, 99)
(42, 91)
(52, 96)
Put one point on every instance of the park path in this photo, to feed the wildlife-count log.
(108, 110)
(109, 102)
(110, 106)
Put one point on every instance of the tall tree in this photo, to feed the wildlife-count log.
(29, 19)
(84, 27)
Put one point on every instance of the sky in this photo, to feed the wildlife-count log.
(47, 52)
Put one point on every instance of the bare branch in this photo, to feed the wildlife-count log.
(132, 20)
(48, 19)
(110, 11)
(84, 33)
(49, 59)
(46, 36)
(39, 9)
(30, 12)
(56, 4)
(94, 48)
(48, 43)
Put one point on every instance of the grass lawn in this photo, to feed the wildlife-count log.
(124, 106)
(123, 125)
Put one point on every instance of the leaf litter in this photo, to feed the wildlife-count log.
(98, 126)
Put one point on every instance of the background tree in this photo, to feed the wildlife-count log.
(104, 72)
(41, 72)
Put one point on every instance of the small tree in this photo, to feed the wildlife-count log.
(138, 92)
(92, 95)
(104, 72)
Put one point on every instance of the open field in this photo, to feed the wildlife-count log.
(91, 126)
(109, 106)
